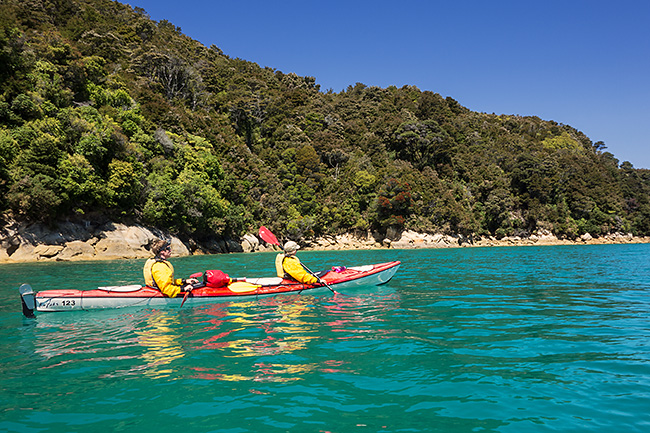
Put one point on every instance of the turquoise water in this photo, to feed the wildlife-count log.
(528, 339)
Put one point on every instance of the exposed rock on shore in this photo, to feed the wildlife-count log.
(109, 241)
(87, 241)
(410, 239)
(413, 240)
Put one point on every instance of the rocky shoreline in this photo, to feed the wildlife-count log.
(72, 241)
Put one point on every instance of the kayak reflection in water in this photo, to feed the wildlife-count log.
(287, 265)
(159, 273)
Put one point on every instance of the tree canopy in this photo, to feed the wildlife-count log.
(105, 111)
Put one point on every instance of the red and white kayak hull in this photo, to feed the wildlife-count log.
(138, 296)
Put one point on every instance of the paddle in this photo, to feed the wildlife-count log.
(270, 238)
(242, 287)
(185, 298)
(319, 280)
(196, 285)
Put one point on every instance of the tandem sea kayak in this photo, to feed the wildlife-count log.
(340, 278)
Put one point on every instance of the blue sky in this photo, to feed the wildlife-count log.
(585, 63)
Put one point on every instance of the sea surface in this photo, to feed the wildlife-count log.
(522, 339)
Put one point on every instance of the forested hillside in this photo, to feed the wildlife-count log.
(105, 113)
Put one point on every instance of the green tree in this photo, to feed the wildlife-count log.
(423, 143)
(124, 184)
(81, 188)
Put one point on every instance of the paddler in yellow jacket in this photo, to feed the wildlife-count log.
(287, 265)
(159, 273)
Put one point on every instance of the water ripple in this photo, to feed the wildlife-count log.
(500, 340)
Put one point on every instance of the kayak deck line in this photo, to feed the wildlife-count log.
(136, 295)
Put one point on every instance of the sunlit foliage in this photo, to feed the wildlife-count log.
(104, 111)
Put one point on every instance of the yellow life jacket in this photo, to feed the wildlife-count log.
(294, 269)
(279, 265)
(279, 269)
(148, 272)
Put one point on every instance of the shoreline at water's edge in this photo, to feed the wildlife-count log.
(74, 242)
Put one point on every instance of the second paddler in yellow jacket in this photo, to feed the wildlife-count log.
(287, 265)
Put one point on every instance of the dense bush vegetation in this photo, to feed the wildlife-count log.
(103, 110)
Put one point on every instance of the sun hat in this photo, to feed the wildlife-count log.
(291, 247)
